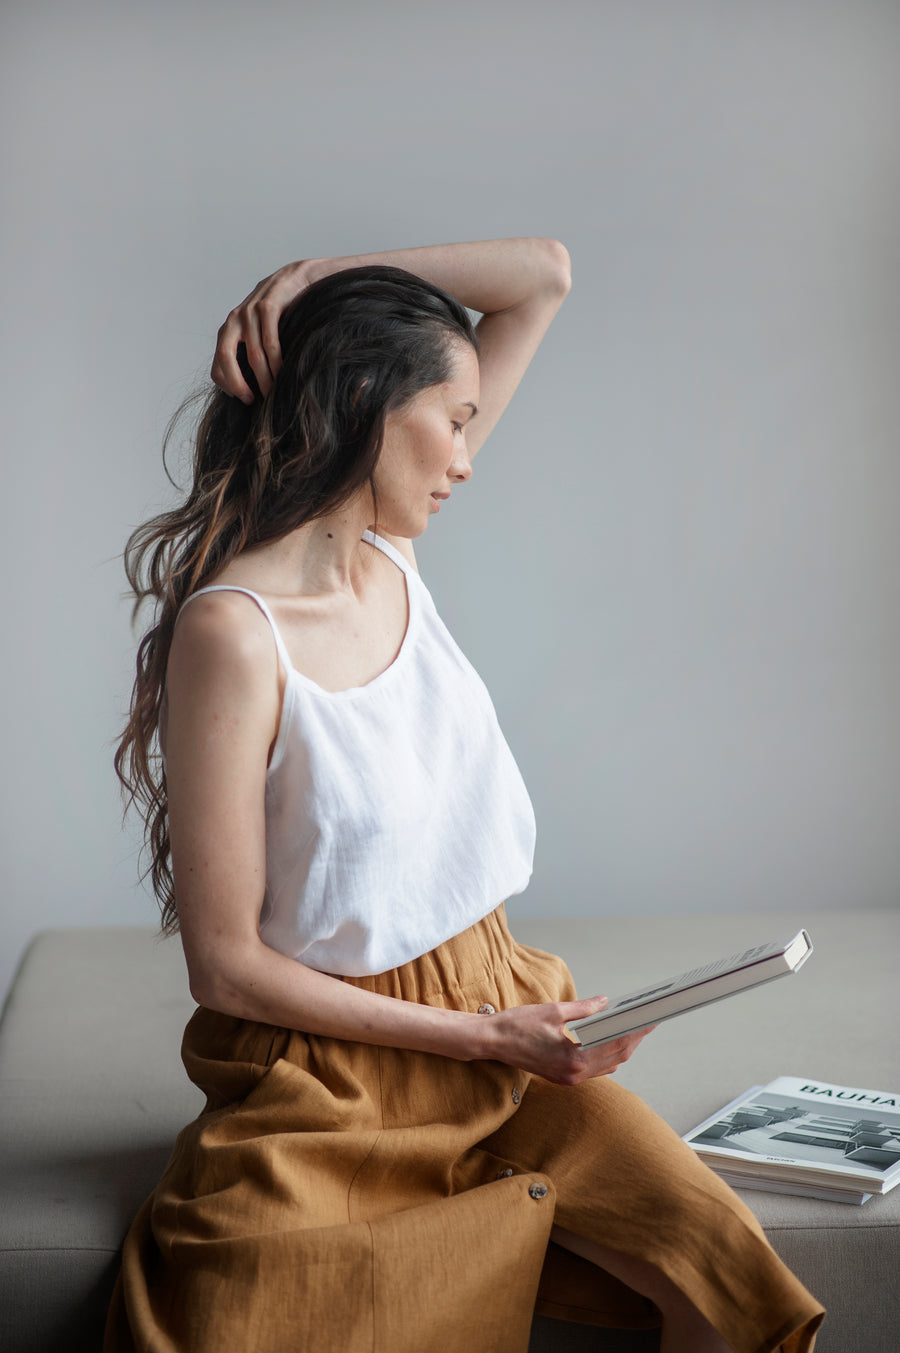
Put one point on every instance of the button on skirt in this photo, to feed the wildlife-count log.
(338, 1197)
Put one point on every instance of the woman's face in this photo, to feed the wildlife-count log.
(424, 453)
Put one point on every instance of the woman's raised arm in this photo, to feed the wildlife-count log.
(518, 285)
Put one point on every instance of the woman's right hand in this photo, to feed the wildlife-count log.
(533, 1038)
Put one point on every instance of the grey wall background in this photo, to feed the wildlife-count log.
(677, 565)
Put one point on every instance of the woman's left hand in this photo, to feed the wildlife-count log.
(534, 1038)
(255, 324)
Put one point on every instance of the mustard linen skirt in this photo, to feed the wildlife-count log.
(338, 1197)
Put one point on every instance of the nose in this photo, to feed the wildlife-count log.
(460, 469)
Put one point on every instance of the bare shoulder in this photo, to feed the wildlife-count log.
(223, 638)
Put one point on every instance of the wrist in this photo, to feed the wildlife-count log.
(314, 269)
(464, 1036)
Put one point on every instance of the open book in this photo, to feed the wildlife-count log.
(662, 1000)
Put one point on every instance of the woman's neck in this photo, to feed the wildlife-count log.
(322, 556)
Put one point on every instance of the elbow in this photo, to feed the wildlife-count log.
(204, 987)
(200, 988)
(557, 266)
(223, 966)
(214, 989)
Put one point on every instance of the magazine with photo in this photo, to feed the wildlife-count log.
(805, 1136)
(658, 1001)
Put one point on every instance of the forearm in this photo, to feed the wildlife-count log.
(255, 982)
(517, 285)
(262, 984)
(488, 275)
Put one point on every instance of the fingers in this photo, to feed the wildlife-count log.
(603, 1059)
(257, 356)
(270, 340)
(254, 323)
(243, 326)
(581, 1009)
(225, 370)
(606, 1058)
(572, 1010)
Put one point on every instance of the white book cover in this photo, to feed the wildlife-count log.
(690, 990)
(803, 1130)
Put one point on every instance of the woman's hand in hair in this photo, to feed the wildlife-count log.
(255, 324)
(516, 284)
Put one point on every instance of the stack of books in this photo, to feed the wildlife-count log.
(805, 1136)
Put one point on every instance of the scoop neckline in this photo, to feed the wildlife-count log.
(399, 659)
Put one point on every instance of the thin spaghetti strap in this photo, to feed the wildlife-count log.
(223, 587)
(391, 551)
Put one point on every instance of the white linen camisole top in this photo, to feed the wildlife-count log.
(396, 816)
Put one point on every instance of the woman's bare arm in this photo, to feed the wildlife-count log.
(517, 284)
(223, 715)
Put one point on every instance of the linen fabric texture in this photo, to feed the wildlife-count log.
(396, 815)
(338, 1197)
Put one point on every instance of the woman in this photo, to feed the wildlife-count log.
(396, 1126)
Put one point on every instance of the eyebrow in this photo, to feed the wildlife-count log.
(467, 404)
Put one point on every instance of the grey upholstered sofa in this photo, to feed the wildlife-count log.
(92, 1094)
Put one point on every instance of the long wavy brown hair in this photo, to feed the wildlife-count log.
(355, 346)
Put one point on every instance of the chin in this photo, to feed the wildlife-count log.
(408, 529)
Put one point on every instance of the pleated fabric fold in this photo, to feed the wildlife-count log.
(338, 1197)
